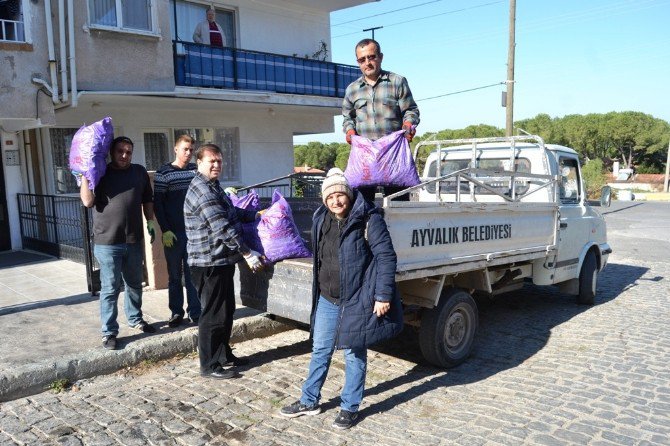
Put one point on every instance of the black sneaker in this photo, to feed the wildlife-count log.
(297, 409)
(345, 419)
(109, 342)
(218, 373)
(235, 361)
(175, 320)
(144, 327)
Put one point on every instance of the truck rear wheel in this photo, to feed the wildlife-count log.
(588, 277)
(448, 330)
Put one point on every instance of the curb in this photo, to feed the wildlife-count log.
(36, 378)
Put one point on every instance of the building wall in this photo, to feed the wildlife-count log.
(19, 63)
(265, 134)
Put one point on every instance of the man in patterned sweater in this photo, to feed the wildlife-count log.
(170, 185)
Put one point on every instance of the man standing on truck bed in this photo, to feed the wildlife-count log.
(378, 103)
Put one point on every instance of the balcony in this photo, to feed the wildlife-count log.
(198, 65)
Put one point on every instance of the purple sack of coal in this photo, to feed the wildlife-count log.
(89, 150)
(385, 162)
(278, 233)
(249, 202)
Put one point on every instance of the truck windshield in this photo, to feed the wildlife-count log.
(498, 182)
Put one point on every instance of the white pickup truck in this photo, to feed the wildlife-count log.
(489, 215)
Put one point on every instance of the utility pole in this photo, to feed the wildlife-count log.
(373, 31)
(667, 170)
(509, 97)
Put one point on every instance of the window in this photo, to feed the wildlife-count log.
(499, 183)
(11, 21)
(156, 150)
(123, 14)
(227, 139)
(190, 14)
(569, 187)
(61, 140)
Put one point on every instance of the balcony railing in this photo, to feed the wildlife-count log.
(198, 65)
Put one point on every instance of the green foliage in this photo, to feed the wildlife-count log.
(637, 139)
(60, 385)
(594, 176)
(322, 156)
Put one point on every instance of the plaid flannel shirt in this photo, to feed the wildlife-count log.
(213, 224)
(377, 110)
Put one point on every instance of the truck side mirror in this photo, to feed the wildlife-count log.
(606, 196)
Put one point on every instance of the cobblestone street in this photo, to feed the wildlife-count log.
(545, 371)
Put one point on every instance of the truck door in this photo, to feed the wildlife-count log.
(574, 226)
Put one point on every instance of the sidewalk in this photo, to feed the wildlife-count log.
(50, 327)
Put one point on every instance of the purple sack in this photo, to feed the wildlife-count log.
(89, 150)
(249, 230)
(385, 162)
(278, 233)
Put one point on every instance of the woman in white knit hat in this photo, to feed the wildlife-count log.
(355, 302)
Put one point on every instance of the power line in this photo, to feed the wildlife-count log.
(461, 91)
(454, 11)
(387, 12)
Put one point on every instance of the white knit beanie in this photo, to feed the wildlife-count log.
(336, 182)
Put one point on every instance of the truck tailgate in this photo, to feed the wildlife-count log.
(433, 238)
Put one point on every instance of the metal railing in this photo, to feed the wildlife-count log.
(295, 185)
(198, 65)
(58, 226)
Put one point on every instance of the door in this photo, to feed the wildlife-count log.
(574, 226)
(5, 239)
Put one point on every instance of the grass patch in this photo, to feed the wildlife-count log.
(60, 385)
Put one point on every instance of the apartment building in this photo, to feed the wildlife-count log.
(66, 63)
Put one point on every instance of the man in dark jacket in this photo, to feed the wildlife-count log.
(355, 301)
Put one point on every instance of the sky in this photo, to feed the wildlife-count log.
(572, 57)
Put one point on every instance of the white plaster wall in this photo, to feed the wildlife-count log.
(265, 134)
(14, 184)
(282, 29)
(19, 63)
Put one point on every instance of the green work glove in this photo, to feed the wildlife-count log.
(168, 239)
(151, 229)
(230, 190)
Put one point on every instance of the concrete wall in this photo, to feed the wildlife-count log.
(14, 183)
(19, 63)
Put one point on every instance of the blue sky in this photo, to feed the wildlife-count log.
(572, 56)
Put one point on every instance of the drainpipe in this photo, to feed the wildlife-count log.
(52, 57)
(63, 55)
(73, 64)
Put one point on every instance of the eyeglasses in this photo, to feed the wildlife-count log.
(369, 58)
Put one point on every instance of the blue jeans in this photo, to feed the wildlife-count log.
(177, 265)
(120, 262)
(323, 346)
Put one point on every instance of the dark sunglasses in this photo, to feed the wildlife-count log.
(369, 58)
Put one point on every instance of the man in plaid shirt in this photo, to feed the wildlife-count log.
(377, 103)
(214, 233)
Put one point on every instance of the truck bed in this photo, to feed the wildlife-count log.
(429, 238)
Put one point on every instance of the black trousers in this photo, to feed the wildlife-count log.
(369, 192)
(216, 291)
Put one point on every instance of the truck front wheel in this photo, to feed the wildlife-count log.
(448, 330)
(588, 277)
